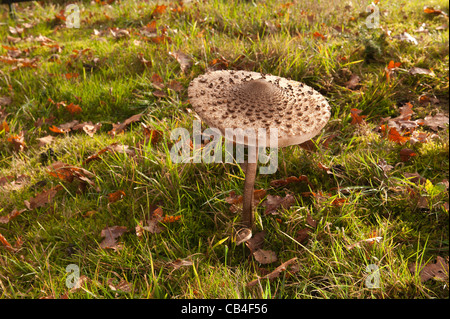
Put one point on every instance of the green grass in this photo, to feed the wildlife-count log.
(264, 36)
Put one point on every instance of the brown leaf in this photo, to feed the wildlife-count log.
(73, 108)
(123, 285)
(356, 118)
(6, 219)
(153, 223)
(88, 127)
(302, 235)
(43, 198)
(150, 134)
(416, 70)
(18, 141)
(274, 274)
(68, 173)
(117, 195)
(437, 270)
(265, 256)
(437, 121)
(111, 234)
(310, 221)
(5, 100)
(45, 140)
(183, 59)
(289, 180)
(431, 10)
(406, 154)
(120, 127)
(273, 203)
(256, 242)
(178, 263)
(353, 83)
(5, 242)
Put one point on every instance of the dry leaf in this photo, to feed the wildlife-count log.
(119, 127)
(274, 274)
(5, 242)
(353, 83)
(356, 118)
(43, 198)
(273, 203)
(153, 223)
(45, 140)
(111, 234)
(117, 195)
(406, 154)
(18, 141)
(415, 70)
(265, 256)
(183, 59)
(289, 180)
(123, 285)
(437, 270)
(6, 219)
(180, 263)
(256, 242)
(437, 121)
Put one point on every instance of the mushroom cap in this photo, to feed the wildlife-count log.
(253, 101)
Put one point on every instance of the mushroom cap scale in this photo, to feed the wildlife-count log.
(256, 103)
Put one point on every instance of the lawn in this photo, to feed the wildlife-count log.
(92, 206)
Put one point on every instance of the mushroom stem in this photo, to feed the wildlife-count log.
(249, 183)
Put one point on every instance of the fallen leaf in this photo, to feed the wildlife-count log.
(178, 263)
(159, 9)
(273, 203)
(153, 223)
(289, 180)
(406, 154)
(73, 108)
(68, 173)
(436, 271)
(256, 242)
(367, 241)
(319, 35)
(120, 127)
(123, 285)
(274, 274)
(183, 59)
(4, 127)
(437, 121)
(431, 10)
(405, 36)
(43, 198)
(144, 61)
(356, 118)
(117, 195)
(265, 256)
(353, 83)
(6, 219)
(415, 70)
(110, 235)
(154, 136)
(5, 100)
(5, 243)
(45, 140)
(302, 235)
(18, 141)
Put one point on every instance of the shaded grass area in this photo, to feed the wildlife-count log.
(319, 43)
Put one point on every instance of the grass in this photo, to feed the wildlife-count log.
(265, 36)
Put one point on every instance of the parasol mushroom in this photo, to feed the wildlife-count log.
(228, 99)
